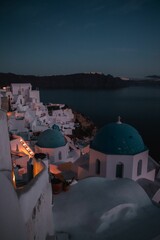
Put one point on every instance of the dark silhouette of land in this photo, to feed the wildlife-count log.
(75, 81)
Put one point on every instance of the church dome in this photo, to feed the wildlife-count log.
(51, 138)
(118, 139)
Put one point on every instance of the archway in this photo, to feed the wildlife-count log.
(119, 170)
(98, 166)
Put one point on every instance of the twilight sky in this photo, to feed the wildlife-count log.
(47, 37)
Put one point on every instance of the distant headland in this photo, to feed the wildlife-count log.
(78, 81)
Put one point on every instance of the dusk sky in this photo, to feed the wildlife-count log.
(47, 37)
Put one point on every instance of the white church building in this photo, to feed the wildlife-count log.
(53, 143)
(118, 151)
(58, 147)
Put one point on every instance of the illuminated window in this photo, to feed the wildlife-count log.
(139, 168)
(119, 170)
(98, 166)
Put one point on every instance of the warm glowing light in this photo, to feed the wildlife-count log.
(13, 179)
(37, 167)
(27, 148)
(9, 114)
(54, 169)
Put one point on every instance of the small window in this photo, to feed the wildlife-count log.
(98, 166)
(119, 170)
(60, 155)
(139, 168)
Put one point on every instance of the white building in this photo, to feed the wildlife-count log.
(23, 94)
(26, 213)
(53, 143)
(118, 151)
(25, 102)
(62, 116)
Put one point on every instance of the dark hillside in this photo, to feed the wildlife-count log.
(74, 81)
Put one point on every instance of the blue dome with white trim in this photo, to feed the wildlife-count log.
(118, 139)
(51, 138)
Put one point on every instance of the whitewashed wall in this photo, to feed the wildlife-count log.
(36, 206)
(5, 156)
(11, 221)
(35, 95)
(108, 165)
(16, 87)
(54, 152)
(12, 226)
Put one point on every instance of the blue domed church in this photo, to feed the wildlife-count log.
(53, 143)
(118, 151)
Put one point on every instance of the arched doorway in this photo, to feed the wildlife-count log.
(98, 166)
(60, 155)
(139, 168)
(119, 170)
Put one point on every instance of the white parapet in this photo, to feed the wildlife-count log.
(5, 156)
(36, 206)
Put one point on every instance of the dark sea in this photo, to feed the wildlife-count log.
(137, 106)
